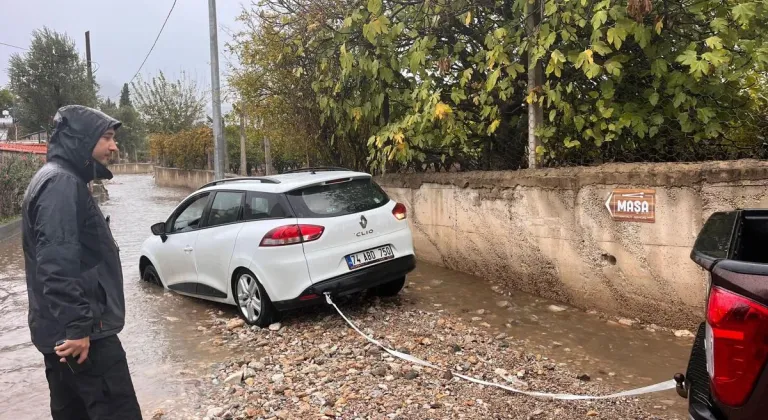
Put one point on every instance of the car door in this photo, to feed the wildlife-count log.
(216, 242)
(176, 256)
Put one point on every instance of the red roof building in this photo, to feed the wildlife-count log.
(35, 149)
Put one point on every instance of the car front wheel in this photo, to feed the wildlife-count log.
(252, 300)
(391, 288)
(150, 275)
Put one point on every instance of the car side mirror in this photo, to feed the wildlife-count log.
(158, 229)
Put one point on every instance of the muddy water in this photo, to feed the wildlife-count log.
(622, 356)
(166, 353)
(160, 338)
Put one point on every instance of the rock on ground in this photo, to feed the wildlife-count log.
(320, 368)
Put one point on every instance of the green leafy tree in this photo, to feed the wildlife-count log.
(108, 107)
(131, 137)
(125, 96)
(167, 106)
(438, 84)
(6, 99)
(47, 77)
(254, 146)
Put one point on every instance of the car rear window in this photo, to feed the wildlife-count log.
(337, 198)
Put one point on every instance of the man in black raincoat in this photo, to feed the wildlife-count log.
(74, 275)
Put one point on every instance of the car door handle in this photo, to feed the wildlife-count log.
(188, 249)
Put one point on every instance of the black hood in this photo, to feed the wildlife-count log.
(78, 129)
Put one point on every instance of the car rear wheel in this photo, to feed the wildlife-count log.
(150, 275)
(391, 288)
(252, 300)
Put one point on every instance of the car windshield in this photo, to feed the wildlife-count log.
(337, 198)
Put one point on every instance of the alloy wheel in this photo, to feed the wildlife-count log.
(249, 297)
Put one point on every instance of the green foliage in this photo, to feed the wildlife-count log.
(437, 83)
(167, 106)
(47, 77)
(125, 96)
(6, 99)
(254, 146)
(16, 170)
(131, 136)
(187, 149)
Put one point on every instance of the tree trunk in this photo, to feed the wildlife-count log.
(243, 160)
(535, 81)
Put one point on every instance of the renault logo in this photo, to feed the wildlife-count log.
(363, 222)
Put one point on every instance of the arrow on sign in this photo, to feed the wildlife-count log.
(608, 203)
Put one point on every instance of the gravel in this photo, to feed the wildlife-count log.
(314, 366)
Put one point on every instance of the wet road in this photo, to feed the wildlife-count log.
(622, 356)
(160, 338)
(165, 351)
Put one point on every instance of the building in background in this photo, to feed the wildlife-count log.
(6, 126)
(18, 148)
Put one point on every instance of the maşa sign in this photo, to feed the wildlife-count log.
(632, 205)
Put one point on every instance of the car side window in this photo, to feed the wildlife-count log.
(189, 218)
(260, 205)
(225, 208)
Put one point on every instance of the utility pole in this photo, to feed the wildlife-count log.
(90, 80)
(243, 160)
(88, 56)
(535, 81)
(218, 138)
(267, 156)
(267, 151)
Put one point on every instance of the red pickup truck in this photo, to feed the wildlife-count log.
(727, 377)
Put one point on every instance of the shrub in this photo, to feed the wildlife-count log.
(187, 149)
(16, 170)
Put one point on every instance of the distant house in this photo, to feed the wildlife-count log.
(6, 125)
(19, 148)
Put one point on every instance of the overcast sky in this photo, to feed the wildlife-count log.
(122, 31)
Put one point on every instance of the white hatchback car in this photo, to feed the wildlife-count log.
(274, 243)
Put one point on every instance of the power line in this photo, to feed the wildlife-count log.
(14, 46)
(55, 55)
(155, 43)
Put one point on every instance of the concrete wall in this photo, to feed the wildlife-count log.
(131, 168)
(182, 178)
(548, 232)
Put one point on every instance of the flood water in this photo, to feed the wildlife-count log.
(163, 347)
(165, 351)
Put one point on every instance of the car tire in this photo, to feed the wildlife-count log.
(390, 288)
(246, 288)
(150, 275)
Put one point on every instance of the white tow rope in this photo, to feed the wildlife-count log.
(662, 386)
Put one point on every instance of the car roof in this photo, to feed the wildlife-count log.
(282, 183)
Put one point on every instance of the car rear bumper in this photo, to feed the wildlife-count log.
(352, 282)
(697, 381)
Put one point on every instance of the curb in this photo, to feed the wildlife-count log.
(10, 229)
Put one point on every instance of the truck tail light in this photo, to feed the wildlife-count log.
(292, 234)
(736, 344)
(400, 212)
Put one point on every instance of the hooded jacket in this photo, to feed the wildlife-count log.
(72, 263)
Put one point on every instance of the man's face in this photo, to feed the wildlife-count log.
(104, 148)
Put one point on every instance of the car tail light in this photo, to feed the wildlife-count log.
(400, 211)
(736, 344)
(292, 234)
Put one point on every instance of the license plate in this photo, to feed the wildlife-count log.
(371, 256)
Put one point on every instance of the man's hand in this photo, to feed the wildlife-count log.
(74, 348)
